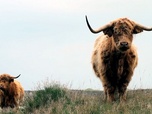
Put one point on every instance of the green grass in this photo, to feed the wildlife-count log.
(42, 98)
(54, 99)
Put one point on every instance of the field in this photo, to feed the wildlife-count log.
(54, 99)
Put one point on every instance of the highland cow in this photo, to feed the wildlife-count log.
(11, 91)
(115, 57)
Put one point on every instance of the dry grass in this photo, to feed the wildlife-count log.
(58, 100)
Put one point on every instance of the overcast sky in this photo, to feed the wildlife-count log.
(48, 40)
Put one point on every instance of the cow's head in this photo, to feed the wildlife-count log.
(5, 80)
(121, 30)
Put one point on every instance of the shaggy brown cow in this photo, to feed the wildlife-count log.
(11, 91)
(114, 57)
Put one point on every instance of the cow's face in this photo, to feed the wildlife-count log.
(121, 30)
(5, 81)
(123, 34)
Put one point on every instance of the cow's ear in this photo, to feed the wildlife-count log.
(11, 80)
(108, 31)
(137, 30)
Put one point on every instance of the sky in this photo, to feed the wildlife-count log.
(48, 40)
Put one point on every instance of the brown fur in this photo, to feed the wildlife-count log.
(114, 57)
(12, 92)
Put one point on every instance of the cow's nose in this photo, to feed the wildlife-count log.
(124, 44)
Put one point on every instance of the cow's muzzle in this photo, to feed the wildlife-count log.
(124, 46)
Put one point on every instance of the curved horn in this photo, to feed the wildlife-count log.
(98, 30)
(16, 76)
(143, 27)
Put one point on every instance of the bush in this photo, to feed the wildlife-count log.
(43, 98)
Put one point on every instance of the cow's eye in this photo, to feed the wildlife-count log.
(118, 33)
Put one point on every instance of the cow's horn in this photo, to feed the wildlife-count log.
(143, 27)
(98, 30)
(17, 76)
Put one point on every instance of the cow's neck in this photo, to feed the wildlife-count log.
(118, 54)
(120, 60)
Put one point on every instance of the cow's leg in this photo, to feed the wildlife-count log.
(123, 83)
(105, 92)
(109, 86)
(110, 93)
(122, 87)
(16, 102)
(122, 91)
